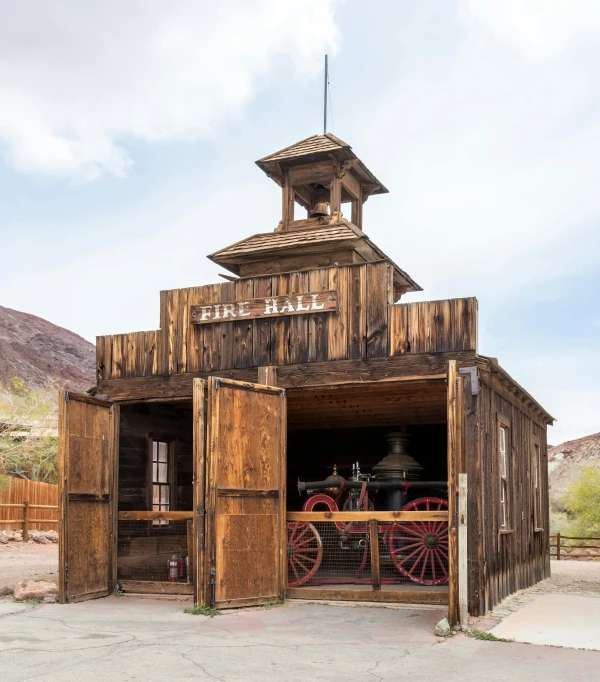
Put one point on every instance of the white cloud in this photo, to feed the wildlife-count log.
(541, 29)
(79, 78)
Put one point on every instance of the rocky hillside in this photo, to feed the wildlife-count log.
(42, 354)
(567, 461)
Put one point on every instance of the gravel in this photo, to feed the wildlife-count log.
(28, 560)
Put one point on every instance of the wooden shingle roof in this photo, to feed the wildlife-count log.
(271, 241)
(316, 144)
(319, 148)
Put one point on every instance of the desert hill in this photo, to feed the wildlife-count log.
(567, 461)
(42, 354)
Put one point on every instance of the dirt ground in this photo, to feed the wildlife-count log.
(28, 560)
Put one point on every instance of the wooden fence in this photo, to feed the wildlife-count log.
(562, 546)
(41, 510)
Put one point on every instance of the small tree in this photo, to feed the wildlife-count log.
(28, 442)
(582, 503)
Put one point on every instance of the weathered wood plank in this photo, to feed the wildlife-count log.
(156, 587)
(399, 516)
(384, 596)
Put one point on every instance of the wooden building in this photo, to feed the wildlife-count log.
(180, 469)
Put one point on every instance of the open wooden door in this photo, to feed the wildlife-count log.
(245, 494)
(87, 445)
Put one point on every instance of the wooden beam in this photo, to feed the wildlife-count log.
(328, 373)
(463, 567)
(267, 376)
(374, 549)
(156, 587)
(154, 516)
(453, 457)
(389, 596)
(362, 517)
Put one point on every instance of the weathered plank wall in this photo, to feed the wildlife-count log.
(367, 325)
(16, 491)
(434, 326)
(519, 558)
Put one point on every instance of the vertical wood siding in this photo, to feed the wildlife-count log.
(519, 559)
(434, 326)
(16, 491)
(359, 329)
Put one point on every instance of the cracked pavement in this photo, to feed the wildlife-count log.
(145, 639)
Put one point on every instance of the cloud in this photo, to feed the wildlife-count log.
(540, 29)
(81, 78)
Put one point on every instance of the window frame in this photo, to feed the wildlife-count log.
(505, 488)
(536, 491)
(171, 473)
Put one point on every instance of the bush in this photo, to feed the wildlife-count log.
(582, 503)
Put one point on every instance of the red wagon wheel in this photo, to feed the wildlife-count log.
(419, 549)
(304, 551)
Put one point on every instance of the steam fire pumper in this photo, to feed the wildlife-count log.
(418, 550)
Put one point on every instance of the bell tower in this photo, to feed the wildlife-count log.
(320, 174)
(324, 186)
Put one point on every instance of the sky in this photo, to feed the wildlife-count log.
(129, 131)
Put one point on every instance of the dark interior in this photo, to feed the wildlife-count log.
(313, 453)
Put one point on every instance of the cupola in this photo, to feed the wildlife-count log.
(323, 176)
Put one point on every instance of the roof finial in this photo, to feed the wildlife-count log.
(325, 96)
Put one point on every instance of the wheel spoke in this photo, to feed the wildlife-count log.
(417, 560)
(441, 563)
(407, 547)
(293, 527)
(407, 558)
(292, 564)
(306, 541)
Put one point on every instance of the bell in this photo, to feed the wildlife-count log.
(334, 491)
(320, 209)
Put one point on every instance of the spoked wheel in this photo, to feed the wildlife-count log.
(419, 549)
(304, 551)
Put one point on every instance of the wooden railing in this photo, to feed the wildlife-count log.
(26, 520)
(563, 544)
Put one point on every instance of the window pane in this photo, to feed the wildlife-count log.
(502, 439)
(155, 494)
(164, 494)
(162, 473)
(154, 450)
(162, 452)
(154, 472)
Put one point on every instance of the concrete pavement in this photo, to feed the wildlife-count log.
(555, 620)
(142, 639)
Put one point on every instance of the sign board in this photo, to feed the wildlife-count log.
(271, 306)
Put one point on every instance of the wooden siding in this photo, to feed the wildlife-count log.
(16, 491)
(366, 326)
(434, 326)
(519, 558)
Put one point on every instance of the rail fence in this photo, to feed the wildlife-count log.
(564, 547)
(28, 503)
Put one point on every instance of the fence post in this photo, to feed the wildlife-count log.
(558, 546)
(25, 520)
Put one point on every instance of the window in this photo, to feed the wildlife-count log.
(504, 456)
(536, 475)
(161, 479)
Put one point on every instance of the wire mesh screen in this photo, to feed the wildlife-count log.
(408, 555)
(150, 552)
